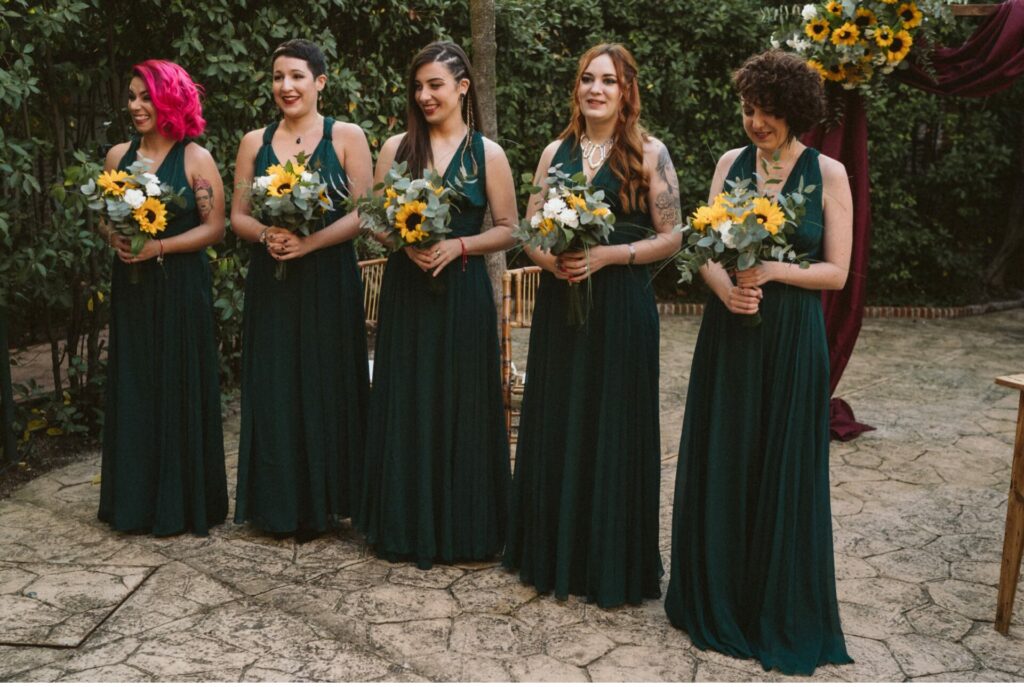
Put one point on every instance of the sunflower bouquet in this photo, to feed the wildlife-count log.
(573, 217)
(292, 197)
(849, 42)
(134, 202)
(740, 229)
(410, 212)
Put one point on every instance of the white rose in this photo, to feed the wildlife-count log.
(153, 189)
(799, 44)
(553, 207)
(809, 12)
(727, 234)
(569, 218)
(262, 183)
(149, 178)
(305, 176)
(535, 220)
(775, 42)
(134, 198)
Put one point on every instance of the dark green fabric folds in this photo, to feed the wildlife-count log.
(163, 448)
(752, 571)
(584, 511)
(305, 378)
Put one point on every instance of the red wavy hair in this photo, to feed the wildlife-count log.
(626, 159)
(175, 97)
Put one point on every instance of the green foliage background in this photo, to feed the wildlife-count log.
(940, 168)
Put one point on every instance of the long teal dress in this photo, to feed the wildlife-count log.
(752, 571)
(305, 377)
(437, 461)
(584, 512)
(163, 448)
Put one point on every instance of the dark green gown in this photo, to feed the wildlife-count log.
(163, 449)
(584, 512)
(305, 378)
(752, 569)
(437, 461)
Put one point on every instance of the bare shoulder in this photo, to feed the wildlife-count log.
(653, 147)
(725, 162)
(195, 153)
(550, 150)
(492, 149)
(832, 171)
(114, 155)
(252, 141)
(346, 131)
(391, 145)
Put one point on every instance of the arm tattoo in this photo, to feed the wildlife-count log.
(203, 191)
(667, 202)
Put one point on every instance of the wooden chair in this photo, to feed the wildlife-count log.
(372, 272)
(1013, 539)
(518, 297)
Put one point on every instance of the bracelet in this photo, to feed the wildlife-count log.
(263, 236)
(465, 255)
(632, 253)
(160, 258)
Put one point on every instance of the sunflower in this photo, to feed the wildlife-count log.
(115, 182)
(409, 221)
(847, 34)
(835, 72)
(834, 7)
(389, 196)
(546, 226)
(817, 30)
(818, 67)
(864, 18)
(899, 47)
(883, 36)
(909, 15)
(890, 2)
(151, 216)
(601, 212)
(282, 184)
(576, 202)
(701, 218)
(769, 215)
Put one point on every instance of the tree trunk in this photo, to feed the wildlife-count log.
(481, 21)
(1013, 240)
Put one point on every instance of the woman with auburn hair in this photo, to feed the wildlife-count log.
(163, 450)
(752, 569)
(437, 464)
(584, 512)
(305, 377)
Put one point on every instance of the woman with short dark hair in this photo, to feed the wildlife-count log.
(752, 567)
(305, 377)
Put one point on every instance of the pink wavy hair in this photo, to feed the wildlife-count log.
(175, 98)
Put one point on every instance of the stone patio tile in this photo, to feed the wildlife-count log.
(919, 655)
(1005, 654)
(438, 577)
(179, 655)
(936, 621)
(910, 565)
(969, 676)
(541, 668)
(578, 645)
(497, 637)
(15, 660)
(411, 638)
(969, 599)
(643, 664)
(873, 662)
(390, 603)
(872, 622)
(60, 604)
(882, 593)
(116, 673)
(456, 667)
(494, 590)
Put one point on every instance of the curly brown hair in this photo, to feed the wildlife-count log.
(783, 85)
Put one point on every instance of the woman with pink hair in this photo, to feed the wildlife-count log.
(163, 450)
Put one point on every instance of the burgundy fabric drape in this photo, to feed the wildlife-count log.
(844, 310)
(987, 63)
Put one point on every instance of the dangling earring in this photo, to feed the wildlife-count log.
(469, 113)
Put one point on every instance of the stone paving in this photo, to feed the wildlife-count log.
(918, 512)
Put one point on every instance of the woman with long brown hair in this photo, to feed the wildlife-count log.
(584, 514)
(437, 466)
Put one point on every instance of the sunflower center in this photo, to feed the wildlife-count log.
(414, 220)
(897, 45)
(150, 216)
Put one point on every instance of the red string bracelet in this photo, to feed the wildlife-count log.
(465, 255)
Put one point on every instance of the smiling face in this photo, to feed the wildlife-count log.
(766, 131)
(437, 92)
(295, 87)
(140, 107)
(599, 93)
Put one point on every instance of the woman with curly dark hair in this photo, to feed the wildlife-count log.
(752, 572)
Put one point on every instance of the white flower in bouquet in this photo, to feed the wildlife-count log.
(569, 218)
(809, 12)
(135, 198)
(553, 207)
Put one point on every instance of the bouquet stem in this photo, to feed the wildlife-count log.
(281, 271)
(133, 274)
(751, 320)
(576, 312)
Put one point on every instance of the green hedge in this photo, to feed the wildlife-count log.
(939, 167)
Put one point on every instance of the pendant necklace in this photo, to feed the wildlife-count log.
(298, 139)
(593, 150)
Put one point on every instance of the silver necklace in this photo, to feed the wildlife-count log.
(598, 150)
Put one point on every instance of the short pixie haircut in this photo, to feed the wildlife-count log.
(303, 50)
(175, 97)
(783, 85)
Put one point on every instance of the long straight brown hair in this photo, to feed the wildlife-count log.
(626, 159)
(415, 146)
